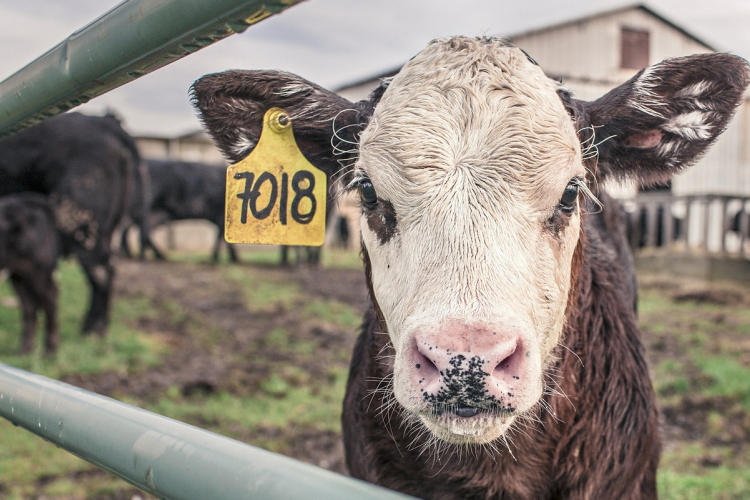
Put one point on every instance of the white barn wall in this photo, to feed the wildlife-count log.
(586, 55)
(725, 169)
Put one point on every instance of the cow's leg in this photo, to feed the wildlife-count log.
(48, 298)
(154, 220)
(230, 248)
(232, 253)
(100, 273)
(124, 247)
(146, 243)
(217, 247)
(158, 254)
(28, 311)
(313, 256)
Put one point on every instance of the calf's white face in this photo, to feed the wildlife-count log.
(468, 173)
(469, 168)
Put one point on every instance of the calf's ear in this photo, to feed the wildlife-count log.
(663, 119)
(232, 105)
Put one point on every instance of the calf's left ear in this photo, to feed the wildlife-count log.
(664, 118)
(232, 105)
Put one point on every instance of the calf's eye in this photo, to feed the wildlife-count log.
(569, 197)
(367, 193)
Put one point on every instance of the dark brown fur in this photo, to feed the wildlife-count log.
(382, 221)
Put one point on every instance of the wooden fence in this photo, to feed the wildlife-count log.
(717, 225)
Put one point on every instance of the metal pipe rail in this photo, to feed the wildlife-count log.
(133, 39)
(166, 458)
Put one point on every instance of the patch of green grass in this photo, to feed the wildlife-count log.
(721, 483)
(729, 378)
(700, 348)
(670, 379)
(651, 301)
(281, 339)
(334, 312)
(682, 477)
(261, 294)
(341, 258)
(124, 349)
(279, 406)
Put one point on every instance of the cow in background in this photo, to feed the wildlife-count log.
(84, 165)
(137, 214)
(181, 190)
(28, 251)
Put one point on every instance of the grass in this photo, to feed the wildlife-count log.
(270, 256)
(728, 378)
(699, 348)
(24, 458)
(682, 477)
(124, 349)
(288, 398)
(278, 405)
(699, 355)
(263, 295)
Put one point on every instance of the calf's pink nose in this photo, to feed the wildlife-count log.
(466, 365)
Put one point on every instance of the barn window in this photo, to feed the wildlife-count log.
(633, 48)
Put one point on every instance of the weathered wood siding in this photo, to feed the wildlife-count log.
(586, 54)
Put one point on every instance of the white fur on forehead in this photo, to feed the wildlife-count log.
(477, 105)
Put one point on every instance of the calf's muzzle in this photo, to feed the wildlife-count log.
(469, 369)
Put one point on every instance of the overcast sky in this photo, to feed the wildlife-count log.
(331, 42)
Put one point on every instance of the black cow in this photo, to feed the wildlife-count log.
(183, 190)
(28, 250)
(84, 164)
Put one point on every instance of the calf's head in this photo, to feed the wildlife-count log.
(472, 166)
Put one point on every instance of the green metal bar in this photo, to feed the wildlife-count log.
(164, 457)
(131, 40)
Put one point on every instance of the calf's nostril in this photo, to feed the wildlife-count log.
(506, 359)
(425, 366)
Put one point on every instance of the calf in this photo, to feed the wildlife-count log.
(84, 165)
(501, 356)
(181, 190)
(29, 250)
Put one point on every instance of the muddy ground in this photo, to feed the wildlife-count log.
(238, 358)
(219, 342)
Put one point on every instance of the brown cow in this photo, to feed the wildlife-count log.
(501, 356)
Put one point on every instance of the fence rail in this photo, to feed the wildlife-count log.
(164, 457)
(167, 458)
(133, 39)
(707, 224)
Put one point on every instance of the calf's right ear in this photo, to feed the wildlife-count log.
(232, 104)
(664, 118)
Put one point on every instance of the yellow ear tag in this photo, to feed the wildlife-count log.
(275, 196)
